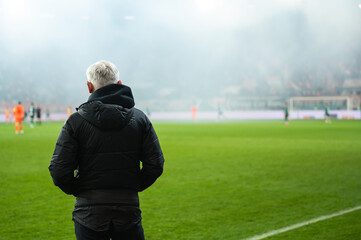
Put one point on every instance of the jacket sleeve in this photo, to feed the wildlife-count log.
(64, 160)
(152, 157)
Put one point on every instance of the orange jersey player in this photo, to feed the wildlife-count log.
(18, 116)
(194, 112)
(7, 115)
(68, 111)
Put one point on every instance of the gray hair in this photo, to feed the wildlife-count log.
(102, 73)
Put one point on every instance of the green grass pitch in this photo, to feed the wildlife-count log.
(221, 181)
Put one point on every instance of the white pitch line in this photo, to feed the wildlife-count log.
(298, 225)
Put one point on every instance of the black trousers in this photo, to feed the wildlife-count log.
(136, 232)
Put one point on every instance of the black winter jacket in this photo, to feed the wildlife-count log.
(102, 144)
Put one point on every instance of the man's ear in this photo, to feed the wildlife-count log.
(90, 87)
(119, 82)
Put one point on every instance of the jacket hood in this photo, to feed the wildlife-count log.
(109, 107)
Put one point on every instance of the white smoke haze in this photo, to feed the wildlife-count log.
(177, 53)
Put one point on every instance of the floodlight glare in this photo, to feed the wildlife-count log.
(129, 18)
(206, 6)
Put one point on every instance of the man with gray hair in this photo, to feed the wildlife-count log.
(104, 143)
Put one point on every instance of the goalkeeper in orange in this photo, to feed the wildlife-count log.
(18, 115)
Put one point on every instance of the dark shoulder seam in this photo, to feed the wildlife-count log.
(75, 120)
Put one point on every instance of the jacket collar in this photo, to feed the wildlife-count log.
(118, 94)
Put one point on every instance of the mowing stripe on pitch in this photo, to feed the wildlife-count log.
(298, 225)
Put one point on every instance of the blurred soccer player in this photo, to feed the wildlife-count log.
(286, 114)
(7, 115)
(38, 115)
(18, 115)
(47, 112)
(194, 113)
(105, 141)
(31, 114)
(68, 111)
(327, 115)
(220, 112)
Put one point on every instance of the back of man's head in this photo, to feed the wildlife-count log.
(102, 73)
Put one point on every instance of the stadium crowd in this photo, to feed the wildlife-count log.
(268, 79)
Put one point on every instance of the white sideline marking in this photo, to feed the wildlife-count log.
(298, 225)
